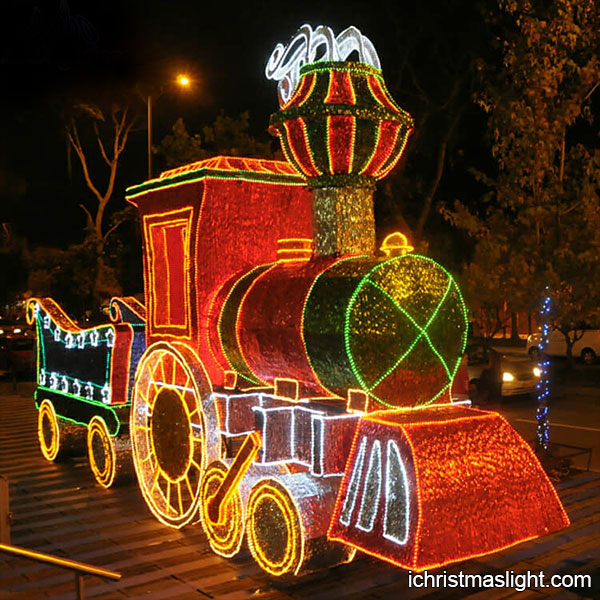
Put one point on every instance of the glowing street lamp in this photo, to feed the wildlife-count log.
(182, 80)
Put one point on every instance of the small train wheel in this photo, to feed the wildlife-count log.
(48, 431)
(275, 534)
(225, 536)
(101, 452)
(171, 439)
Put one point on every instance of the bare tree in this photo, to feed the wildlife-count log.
(119, 126)
(110, 132)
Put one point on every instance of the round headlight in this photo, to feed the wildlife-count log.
(506, 376)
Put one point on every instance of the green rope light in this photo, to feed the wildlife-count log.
(422, 334)
(205, 174)
(105, 407)
(423, 330)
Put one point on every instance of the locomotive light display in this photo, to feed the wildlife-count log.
(284, 383)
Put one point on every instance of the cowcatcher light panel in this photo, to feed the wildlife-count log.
(430, 487)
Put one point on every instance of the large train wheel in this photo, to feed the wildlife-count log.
(48, 431)
(275, 535)
(172, 436)
(224, 536)
(288, 517)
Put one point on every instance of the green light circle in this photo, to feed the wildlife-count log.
(421, 329)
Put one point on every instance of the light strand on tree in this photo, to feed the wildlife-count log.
(543, 386)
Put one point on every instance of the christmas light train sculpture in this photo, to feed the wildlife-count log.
(283, 383)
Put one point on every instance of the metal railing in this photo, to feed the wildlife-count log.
(80, 569)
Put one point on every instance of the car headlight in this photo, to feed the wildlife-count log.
(537, 371)
(17, 330)
(506, 376)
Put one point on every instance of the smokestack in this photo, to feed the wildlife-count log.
(343, 221)
(342, 131)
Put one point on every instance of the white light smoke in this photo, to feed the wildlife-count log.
(309, 46)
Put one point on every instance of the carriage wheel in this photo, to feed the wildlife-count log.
(225, 536)
(275, 534)
(101, 452)
(168, 427)
(48, 431)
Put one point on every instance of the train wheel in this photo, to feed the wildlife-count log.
(224, 536)
(275, 534)
(172, 438)
(48, 431)
(101, 452)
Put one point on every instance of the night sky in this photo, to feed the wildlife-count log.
(57, 51)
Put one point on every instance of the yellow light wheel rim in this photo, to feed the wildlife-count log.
(48, 431)
(168, 431)
(101, 452)
(225, 537)
(275, 535)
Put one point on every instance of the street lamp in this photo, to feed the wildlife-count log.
(182, 80)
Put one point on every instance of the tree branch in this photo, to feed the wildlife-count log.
(101, 144)
(591, 91)
(571, 208)
(89, 216)
(438, 174)
(125, 132)
(73, 136)
(111, 229)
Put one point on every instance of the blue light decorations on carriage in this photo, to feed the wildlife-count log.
(543, 386)
(53, 381)
(69, 340)
(105, 393)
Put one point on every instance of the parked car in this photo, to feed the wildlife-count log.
(587, 347)
(17, 356)
(9, 328)
(511, 375)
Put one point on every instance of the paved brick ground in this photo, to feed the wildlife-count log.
(57, 508)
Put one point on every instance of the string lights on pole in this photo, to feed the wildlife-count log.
(543, 386)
